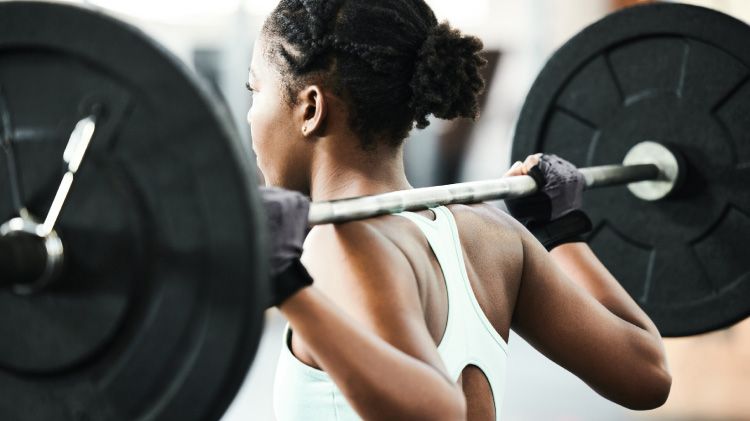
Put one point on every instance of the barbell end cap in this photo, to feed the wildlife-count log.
(41, 256)
(671, 170)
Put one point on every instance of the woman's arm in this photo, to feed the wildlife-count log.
(570, 307)
(372, 340)
(582, 266)
(380, 381)
(590, 326)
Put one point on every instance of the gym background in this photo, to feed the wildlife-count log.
(711, 372)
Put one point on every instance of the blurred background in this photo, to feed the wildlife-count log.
(711, 372)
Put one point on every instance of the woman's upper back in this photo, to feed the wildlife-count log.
(485, 233)
(492, 254)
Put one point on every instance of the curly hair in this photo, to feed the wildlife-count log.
(390, 60)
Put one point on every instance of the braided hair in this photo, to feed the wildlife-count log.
(390, 60)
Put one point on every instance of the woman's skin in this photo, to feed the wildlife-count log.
(379, 306)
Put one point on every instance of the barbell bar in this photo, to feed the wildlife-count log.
(648, 162)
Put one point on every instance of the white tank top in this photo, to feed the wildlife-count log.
(305, 393)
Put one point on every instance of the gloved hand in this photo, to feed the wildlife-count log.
(552, 214)
(286, 216)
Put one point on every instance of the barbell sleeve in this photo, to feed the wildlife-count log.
(470, 192)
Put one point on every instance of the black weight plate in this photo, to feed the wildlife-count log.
(678, 75)
(159, 310)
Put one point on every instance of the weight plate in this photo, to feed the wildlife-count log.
(678, 75)
(159, 309)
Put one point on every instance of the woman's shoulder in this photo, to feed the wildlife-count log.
(484, 222)
(387, 233)
(357, 252)
(348, 237)
(485, 213)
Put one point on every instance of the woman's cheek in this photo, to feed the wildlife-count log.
(255, 119)
(261, 136)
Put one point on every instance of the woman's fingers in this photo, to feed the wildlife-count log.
(515, 169)
(531, 161)
(522, 168)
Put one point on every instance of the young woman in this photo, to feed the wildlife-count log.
(409, 314)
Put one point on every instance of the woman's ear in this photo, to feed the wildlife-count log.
(314, 110)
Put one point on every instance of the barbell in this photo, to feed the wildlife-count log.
(136, 284)
(651, 170)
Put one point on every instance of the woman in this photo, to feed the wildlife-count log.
(409, 315)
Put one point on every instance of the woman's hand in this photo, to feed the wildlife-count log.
(552, 214)
(560, 185)
(286, 217)
(522, 168)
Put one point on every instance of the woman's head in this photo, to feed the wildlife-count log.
(388, 61)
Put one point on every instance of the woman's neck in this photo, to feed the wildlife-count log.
(338, 173)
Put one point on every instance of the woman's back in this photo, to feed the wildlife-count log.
(492, 256)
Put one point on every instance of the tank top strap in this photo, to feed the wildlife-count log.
(429, 227)
(442, 235)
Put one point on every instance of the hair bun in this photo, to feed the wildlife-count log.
(446, 81)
